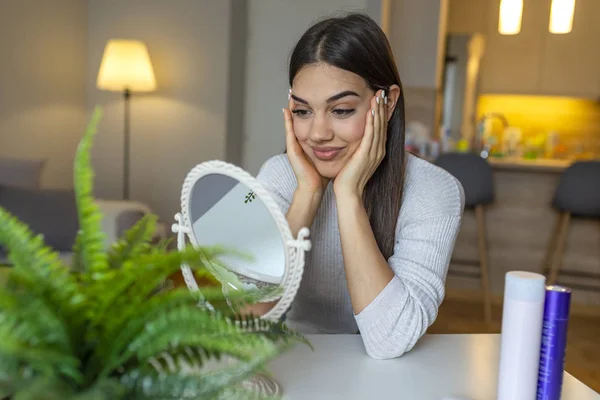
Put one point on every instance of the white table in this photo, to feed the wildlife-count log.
(438, 366)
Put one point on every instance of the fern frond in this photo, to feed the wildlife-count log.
(76, 260)
(20, 345)
(199, 350)
(273, 330)
(125, 326)
(121, 331)
(135, 242)
(163, 245)
(44, 388)
(181, 359)
(235, 344)
(12, 376)
(105, 389)
(93, 256)
(165, 330)
(191, 327)
(32, 318)
(239, 392)
(145, 384)
(40, 267)
(138, 279)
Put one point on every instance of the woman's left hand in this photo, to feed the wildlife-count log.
(353, 177)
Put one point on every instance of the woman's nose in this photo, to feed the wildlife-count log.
(320, 131)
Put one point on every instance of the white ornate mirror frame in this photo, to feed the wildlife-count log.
(295, 248)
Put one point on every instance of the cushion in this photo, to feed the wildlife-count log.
(21, 172)
(50, 212)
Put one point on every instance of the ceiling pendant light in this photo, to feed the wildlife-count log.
(511, 13)
(561, 16)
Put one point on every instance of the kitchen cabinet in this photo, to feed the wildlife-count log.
(467, 16)
(571, 62)
(534, 61)
(511, 63)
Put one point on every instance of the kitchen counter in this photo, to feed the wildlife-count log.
(522, 164)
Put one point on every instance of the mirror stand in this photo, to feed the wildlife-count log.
(181, 230)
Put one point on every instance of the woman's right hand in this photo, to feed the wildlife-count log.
(308, 177)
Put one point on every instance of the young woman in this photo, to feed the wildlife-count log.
(383, 222)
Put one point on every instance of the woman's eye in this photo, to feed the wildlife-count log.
(343, 112)
(300, 113)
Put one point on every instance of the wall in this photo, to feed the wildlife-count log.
(236, 91)
(418, 30)
(414, 38)
(42, 83)
(274, 26)
(181, 124)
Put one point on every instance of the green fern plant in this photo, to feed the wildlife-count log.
(102, 327)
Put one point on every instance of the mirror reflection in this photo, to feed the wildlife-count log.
(227, 213)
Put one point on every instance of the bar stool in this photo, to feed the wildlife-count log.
(475, 175)
(577, 195)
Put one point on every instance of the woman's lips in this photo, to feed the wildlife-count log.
(326, 153)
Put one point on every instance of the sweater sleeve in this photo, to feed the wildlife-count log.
(393, 322)
(277, 177)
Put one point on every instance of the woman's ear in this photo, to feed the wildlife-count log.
(393, 94)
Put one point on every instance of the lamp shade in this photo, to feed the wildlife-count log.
(126, 66)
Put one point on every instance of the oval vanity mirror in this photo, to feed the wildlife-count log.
(223, 205)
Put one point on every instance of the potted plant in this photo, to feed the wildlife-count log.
(105, 327)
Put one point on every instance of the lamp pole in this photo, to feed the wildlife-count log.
(126, 145)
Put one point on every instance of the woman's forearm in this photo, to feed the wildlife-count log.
(303, 209)
(367, 271)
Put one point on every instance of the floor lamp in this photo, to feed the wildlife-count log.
(126, 68)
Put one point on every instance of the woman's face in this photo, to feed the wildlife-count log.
(329, 107)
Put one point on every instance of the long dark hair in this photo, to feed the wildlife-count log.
(356, 43)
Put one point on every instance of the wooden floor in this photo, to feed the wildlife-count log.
(583, 347)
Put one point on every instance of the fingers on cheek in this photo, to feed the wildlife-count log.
(301, 134)
(374, 106)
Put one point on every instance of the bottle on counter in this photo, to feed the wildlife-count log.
(554, 342)
(511, 140)
(521, 335)
(551, 144)
(446, 140)
(434, 149)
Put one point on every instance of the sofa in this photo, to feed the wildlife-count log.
(53, 213)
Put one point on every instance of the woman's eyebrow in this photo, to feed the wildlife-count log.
(331, 99)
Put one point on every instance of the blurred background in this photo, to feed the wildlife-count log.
(515, 83)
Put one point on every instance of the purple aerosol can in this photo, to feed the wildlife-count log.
(554, 342)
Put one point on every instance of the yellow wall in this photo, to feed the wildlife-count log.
(577, 121)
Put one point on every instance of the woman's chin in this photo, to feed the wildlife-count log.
(328, 170)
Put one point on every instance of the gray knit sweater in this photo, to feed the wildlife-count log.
(426, 231)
